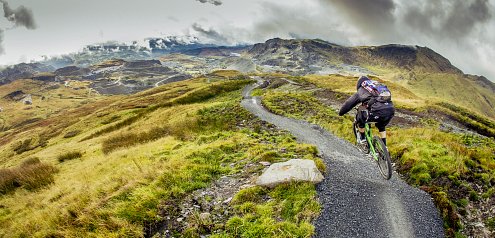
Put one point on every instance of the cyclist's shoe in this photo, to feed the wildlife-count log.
(366, 149)
(363, 146)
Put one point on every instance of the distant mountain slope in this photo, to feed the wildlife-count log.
(310, 52)
(137, 50)
(22, 71)
(419, 69)
(217, 51)
(107, 77)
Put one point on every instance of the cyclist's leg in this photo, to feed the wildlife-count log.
(382, 119)
(361, 118)
(381, 124)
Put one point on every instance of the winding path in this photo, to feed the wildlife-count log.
(165, 80)
(356, 200)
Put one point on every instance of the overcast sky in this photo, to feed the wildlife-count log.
(461, 30)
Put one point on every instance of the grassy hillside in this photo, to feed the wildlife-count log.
(144, 164)
(48, 99)
(428, 75)
(127, 167)
(456, 168)
(405, 99)
(427, 80)
(456, 89)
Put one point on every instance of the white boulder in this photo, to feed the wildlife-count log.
(292, 170)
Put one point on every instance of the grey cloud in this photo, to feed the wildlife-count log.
(21, 16)
(172, 18)
(211, 34)
(376, 16)
(384, 20)
(1, 40)
(280, 20)
(214, 2)
(454, 18)
(284, 21)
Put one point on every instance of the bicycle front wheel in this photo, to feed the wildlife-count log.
(383, 161)
(355, 131)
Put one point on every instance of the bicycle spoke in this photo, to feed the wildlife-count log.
(384, 163)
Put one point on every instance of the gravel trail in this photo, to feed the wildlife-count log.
(356, 200)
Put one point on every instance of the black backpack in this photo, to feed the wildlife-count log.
(378, 90)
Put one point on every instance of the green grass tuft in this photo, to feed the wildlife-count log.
(71, 134)
(69, 156)
(124, 140)
(288, 214)
(252, 194)
(490, 223)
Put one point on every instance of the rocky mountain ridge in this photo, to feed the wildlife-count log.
(302, 54)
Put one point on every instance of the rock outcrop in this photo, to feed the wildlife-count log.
(15, 95)
(28, 100)
(72, 71)
(45, 77)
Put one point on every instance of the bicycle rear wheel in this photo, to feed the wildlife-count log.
(383, 161)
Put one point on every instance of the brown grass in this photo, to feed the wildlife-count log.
(130, 139)
(30, 175)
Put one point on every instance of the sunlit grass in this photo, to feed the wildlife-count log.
(48, 100)
(121, 177)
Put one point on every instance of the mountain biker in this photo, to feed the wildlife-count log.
(370, 110)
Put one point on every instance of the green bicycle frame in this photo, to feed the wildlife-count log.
(369, 139)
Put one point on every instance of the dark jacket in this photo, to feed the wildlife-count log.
(363, 96)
